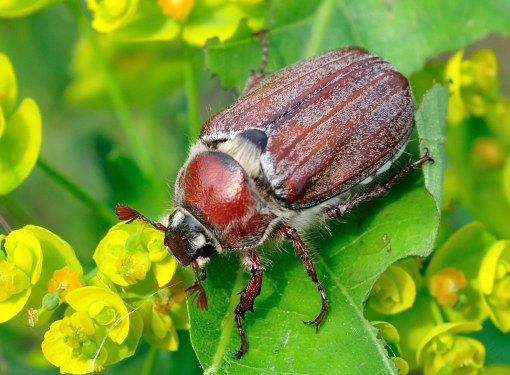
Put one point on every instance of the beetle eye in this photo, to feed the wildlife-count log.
(207, 251)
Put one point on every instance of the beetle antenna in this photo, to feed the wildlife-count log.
(200, 299)
(126, 213)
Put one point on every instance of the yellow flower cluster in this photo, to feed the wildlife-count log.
(97, 331)
(424, 317)
(102, 324)
(193, 21)
(32, 256)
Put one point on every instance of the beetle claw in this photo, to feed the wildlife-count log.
(315, 323)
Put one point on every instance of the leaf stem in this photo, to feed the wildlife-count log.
(118, 100)
(150, 361)
(102, 210)
(436, 313)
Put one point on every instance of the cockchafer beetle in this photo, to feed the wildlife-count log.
(303, 144)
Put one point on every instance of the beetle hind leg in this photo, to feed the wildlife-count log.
(300, 248)
(376, 190)
(256, 76)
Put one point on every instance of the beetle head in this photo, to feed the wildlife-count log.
(188, 240)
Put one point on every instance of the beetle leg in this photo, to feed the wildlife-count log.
(300, 248)
(379, 189)
(257, 75)
(252, 261)
(200, 297)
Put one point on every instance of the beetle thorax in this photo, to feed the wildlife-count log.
(220, 193)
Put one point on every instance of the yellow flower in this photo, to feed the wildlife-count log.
(445, 285)
(160, 329)
(444, 351)
(393, 292)
(20, 269)
(129, 251)
(63, 281)
(99, 332)
(71, 344)
(494, 281)
(56, 253)
(104, 307)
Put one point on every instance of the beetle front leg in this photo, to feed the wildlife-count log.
(200, 296)
(300, 248)
(252, 261)
(376, 190)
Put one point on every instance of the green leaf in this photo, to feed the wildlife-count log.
(404, 32)
(400, 224)
(362, 246)
(430, 123)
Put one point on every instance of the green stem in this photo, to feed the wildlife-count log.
(119, 102)
(192, 93)
(102, 210)
(320, 26)
(5, 225)
(150, 361)
(436, 313)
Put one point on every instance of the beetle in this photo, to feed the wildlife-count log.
(303, 144)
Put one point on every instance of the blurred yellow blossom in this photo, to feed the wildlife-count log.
(445, 285)
(452, 274)
(177, 9)
(111, 14)
(494, 280)
(444, 351)
(194, 21)
(474, 84)
(20, 131)
(393, 292)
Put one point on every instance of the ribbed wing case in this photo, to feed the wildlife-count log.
(331, 121)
